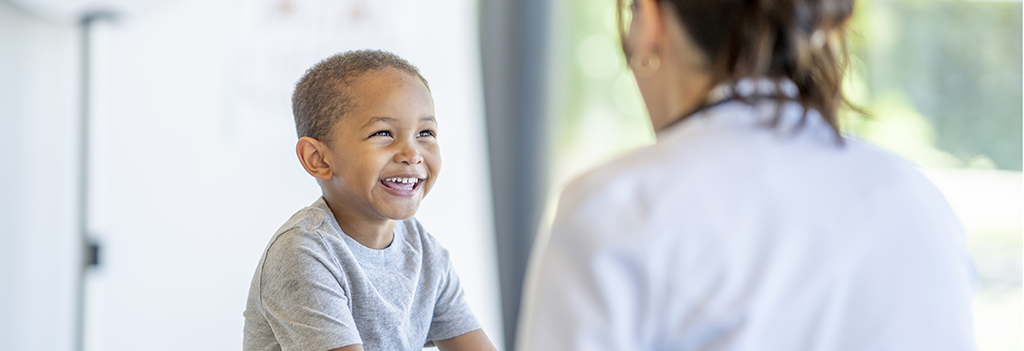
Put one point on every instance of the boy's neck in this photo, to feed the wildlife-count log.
(374, 234)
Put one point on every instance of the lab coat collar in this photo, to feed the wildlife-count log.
(757, 111)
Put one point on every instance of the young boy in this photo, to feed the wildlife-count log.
(355, 271)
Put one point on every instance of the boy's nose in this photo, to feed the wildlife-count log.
(409, 155)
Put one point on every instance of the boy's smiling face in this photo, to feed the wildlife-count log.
(383, 153)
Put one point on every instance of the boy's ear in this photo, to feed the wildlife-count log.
(311, 154)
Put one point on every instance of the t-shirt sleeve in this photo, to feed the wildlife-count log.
(452, 316)
(303, 300)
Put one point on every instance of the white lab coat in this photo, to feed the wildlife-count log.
(729, 234)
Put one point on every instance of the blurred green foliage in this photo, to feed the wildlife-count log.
(597, 106)
(941, 80)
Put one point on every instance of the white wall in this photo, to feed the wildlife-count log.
(193, 158)
(38, 181)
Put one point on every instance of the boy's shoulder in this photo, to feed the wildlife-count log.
(304, 228)
(308, 219)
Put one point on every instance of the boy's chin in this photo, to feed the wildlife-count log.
(400, 212)
(402, 217)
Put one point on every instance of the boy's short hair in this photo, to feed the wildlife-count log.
(321, 96)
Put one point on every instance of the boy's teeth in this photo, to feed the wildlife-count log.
(402, 180)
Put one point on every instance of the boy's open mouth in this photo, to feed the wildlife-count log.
(402, 183)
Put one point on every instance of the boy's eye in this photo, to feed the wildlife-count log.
(381, 133)
(427, 133)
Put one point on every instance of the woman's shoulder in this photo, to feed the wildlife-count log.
(666, 165)
(712, 164)
(627, 185)
(617, 176)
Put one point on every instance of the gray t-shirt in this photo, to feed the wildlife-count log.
(318, 289)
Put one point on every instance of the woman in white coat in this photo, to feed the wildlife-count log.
(752, 223)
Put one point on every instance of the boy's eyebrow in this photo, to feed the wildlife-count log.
(392, 119)
(379, 119)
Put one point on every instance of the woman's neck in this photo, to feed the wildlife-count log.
(687, 90)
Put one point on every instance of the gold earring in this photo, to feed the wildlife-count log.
(645, 66)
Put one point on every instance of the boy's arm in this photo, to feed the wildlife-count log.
(356, 347)
(472, 341)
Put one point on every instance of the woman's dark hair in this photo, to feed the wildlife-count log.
(801, 40)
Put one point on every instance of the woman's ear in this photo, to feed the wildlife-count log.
(311, 155)
(650, 26)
